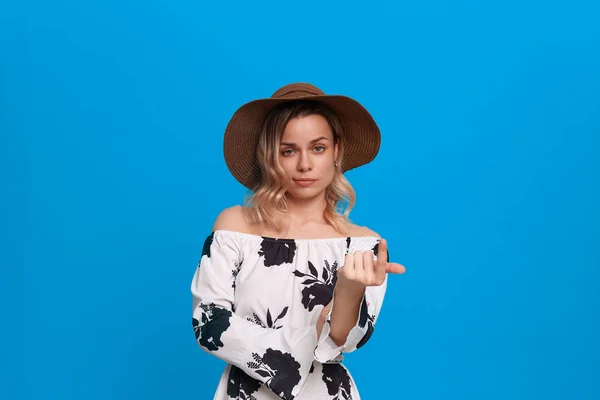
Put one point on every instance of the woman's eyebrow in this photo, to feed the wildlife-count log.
(312, 141)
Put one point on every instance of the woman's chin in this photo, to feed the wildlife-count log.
(305, 193)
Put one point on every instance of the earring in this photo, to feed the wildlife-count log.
(335, 164)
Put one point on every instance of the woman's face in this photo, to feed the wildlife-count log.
(307, 154)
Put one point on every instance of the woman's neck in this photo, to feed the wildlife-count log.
(304, 211)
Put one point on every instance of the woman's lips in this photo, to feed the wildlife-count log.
(305, 182)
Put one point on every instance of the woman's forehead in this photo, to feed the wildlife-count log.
(307, 129)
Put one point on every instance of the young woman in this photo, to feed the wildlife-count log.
(286, 284)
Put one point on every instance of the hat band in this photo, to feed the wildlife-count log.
(297, 93)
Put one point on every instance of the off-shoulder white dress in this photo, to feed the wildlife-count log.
(256, 302)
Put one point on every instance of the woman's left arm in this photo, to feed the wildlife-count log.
(357, 300)
(345, 314)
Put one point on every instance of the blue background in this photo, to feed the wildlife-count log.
(487, 187)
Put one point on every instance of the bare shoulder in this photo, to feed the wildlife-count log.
(356, 230)
(232, 219)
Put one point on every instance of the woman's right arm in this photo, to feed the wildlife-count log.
(280, 358)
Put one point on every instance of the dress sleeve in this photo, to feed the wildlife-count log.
(279, 358)
(327, 351)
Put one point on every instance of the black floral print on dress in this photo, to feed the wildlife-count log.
(318, 290)
(255, 320)
(337, 381)
(281, 370)
(215, 321)
(240, 385)
(375, 249)
(234, 273)
(363, 320)
(207, 243)
(270, 322)
(277, 251)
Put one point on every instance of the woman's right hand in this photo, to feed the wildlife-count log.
(322, 318)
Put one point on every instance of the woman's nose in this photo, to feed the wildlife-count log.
(304, 163)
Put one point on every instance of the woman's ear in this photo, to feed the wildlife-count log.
(335, 151)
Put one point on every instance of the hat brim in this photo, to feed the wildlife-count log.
(360, 133)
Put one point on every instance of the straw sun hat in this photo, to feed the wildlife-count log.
(360, 133)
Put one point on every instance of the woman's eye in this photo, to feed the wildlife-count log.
(287, 152)
(320, 149)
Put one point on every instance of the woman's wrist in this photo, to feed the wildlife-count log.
(346, 306)
(350, 291)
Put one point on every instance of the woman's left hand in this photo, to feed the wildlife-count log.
(361, 269)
